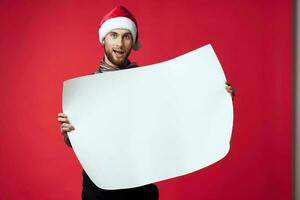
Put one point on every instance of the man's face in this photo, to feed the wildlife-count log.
(117, 46)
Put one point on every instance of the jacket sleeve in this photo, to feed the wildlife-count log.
(67, 140)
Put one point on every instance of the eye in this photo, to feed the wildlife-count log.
(127, 37)
(113, 35)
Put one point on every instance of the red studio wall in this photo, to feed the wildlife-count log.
(44, 43)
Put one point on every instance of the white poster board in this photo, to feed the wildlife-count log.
(152, 123)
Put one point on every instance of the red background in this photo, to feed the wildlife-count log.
(44, 43)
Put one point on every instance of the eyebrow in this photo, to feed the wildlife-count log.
(121, 34)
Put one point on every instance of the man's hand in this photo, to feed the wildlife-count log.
(230, 89)
(65, 126)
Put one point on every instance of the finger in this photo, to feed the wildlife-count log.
(227, 83)
(66, 125)
(228, 87)
(62, 115)
(63, 119)
(69, 126)
(65, 130)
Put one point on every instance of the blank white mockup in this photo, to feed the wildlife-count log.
(147, 124)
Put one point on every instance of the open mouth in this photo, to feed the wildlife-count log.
(118, 53)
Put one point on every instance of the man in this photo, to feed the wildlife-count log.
(119, 35)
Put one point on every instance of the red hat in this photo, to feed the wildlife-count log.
(119, 17)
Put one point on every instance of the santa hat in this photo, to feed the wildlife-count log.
(119, 17)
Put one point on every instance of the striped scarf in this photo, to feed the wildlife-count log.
(104, 67)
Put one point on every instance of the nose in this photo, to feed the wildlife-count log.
(119, 41)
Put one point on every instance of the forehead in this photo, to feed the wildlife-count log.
(120, 31)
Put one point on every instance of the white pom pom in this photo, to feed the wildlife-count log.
(136, 46)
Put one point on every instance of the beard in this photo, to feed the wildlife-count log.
(112, 53)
